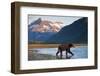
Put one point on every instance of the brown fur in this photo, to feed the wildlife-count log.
(64, 47)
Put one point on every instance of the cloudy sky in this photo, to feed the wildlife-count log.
(66, 20)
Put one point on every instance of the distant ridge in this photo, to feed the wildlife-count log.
(40, 25)
(77, 32)
(41, 30)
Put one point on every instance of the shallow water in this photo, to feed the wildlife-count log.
(50, 53)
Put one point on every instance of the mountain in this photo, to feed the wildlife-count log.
(44, 26)
(77, 32)
(39, 36)
(41, 30)
(36, 22)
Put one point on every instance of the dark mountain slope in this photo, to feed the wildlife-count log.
(77, 32)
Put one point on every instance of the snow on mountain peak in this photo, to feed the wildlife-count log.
(45, 26)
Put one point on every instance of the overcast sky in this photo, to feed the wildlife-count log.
(66, 20)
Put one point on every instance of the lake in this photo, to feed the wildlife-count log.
(50, 53)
